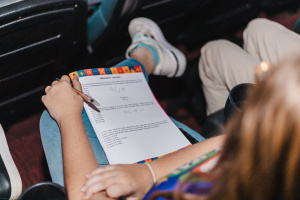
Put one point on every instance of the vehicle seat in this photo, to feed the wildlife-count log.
(213, 125)
(45, 191)
(39, 40)
(103, 20)
(237, 98)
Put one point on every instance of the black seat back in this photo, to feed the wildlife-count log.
(39, 40)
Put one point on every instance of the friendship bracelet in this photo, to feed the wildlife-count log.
(152, 172)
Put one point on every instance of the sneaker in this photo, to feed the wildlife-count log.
(10, 180)
(171, 61)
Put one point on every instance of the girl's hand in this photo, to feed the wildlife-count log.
(118, 180)
(61, 100)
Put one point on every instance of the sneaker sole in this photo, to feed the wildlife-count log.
(159, 37)
(13, 173)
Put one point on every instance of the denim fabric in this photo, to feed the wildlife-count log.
(130, 62)
(51, 139)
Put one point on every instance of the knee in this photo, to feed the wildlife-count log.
(213, 46)
(258, 26)
(213, 50)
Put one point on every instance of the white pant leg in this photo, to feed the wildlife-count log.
(269, 41)
(222, 66)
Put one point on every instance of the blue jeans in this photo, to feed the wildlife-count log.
(51, 138)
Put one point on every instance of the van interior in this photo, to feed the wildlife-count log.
(42, 40)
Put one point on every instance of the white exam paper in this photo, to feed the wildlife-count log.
(131, 125)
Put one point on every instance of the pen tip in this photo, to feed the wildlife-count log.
(95, 102)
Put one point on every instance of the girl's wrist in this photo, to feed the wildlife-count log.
(152, 172)
(69, 121)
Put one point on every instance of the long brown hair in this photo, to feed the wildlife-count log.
(261, 155)
(260, 159)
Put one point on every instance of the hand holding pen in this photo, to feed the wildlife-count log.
(62, 102)
(84, 96)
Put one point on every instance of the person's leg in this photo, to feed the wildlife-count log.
(168, 60)
(222, 66)
(269, 41)
(131, 62)
(157, 56)
(51, 141)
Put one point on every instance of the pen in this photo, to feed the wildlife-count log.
(84, 96)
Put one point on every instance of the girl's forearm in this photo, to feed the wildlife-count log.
(170, 162)
(78, 156)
